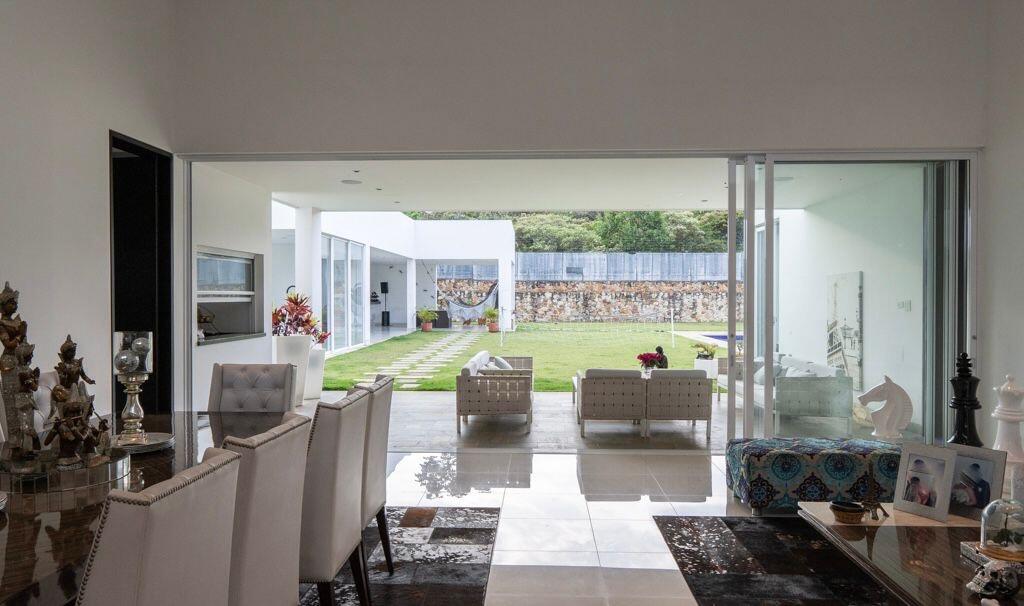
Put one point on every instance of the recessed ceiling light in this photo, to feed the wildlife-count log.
(351, 181)
(704, 201)
(787, 178)
(397, 202)
(380, 189)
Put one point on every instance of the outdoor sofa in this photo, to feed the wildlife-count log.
(483, 388)
(625, 395)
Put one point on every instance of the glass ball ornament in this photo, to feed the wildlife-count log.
(126, 361)
(1002, 530)
(141, 346)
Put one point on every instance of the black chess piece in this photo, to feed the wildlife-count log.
(964, 403)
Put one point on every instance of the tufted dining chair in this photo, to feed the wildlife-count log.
(375, 463)
(268, 510)
(332, 521)
(251, 387)
(169, 544)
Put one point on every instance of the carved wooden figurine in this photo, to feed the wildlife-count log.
(69, 369)
(24, 438)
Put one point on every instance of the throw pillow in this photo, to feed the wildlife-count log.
(501, 363)
(798, 372)
(759, 376)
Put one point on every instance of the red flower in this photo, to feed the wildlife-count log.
(295, 317)
(649, 359)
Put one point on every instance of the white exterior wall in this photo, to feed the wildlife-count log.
(878, 231)
(231, 214)
(390, 231)
(282, 272)
(394, 273)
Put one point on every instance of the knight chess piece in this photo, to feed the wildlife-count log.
(895, 413)
(964, 404)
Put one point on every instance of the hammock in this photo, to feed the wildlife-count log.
(460, 310)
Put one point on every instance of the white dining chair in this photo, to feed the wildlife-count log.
(268, 514)
(251, 387)
(332, 522)
(375, 462)
(169, 544)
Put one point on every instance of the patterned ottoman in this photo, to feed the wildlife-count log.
(776, 473)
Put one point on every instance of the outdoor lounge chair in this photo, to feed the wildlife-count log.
(483, 391)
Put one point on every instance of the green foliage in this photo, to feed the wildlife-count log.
(705, 351)
(628, 231)
(491, 314)
(634, 231)
(426, 315)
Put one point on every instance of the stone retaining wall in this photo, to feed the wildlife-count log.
(566, 301)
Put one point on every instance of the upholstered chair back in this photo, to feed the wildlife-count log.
(251, 387)
(375, 464)
(333, 493)
(169, 544)
(268, 513)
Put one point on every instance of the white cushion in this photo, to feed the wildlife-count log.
(678, 374)
(611, 373)
(798, 372)
(502, 363)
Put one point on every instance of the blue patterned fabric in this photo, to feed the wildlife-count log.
(776, 473)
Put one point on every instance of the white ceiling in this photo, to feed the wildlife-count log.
(541, 184)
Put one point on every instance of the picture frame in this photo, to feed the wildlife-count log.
(924, 480)
(978, 475)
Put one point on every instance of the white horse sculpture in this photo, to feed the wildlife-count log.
(892, 417)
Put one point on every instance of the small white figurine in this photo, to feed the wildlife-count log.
(1009, 414)
(892, 417)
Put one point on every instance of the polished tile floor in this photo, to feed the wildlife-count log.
(573, 528)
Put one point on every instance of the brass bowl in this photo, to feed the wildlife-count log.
(846, 515)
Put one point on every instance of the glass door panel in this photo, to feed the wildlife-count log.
(357, 288)
(339, 291)
(325, 291)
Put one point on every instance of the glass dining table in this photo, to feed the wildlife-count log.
(44, 553)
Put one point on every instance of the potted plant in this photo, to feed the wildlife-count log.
(706, 359)
(427, 317)
(491, 316)
(296, 331)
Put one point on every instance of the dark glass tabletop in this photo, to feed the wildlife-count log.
(44, 554)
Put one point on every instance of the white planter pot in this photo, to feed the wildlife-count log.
(708, 366)
(315, 374)
(294, 349)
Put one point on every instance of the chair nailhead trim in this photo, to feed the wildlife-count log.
(267, 436)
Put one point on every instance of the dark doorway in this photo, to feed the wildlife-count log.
(142, 264)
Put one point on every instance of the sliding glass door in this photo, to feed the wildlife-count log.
(344, 291)
(852, 301)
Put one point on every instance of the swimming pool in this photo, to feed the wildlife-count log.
(721, 337)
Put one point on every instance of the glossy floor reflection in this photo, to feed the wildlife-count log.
(573, 528)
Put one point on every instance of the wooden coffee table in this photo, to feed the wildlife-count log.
(916, 558)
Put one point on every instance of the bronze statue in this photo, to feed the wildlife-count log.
(23, 437)
(70, 370)
(69, 438)
(13, 330)
(24, 354)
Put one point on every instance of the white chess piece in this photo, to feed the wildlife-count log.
(892, 417)
(1009, 414)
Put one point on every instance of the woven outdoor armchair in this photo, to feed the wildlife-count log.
(486, 391)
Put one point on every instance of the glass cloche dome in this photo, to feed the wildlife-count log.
(1002, 530)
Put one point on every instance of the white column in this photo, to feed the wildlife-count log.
(506, 291)
(367, 312)
(410, 294)
(307, 254)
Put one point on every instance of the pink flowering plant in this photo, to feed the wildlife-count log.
(295, 317)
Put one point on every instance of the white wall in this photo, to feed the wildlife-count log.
(876, 230)
(1001, 213)
(231, 214)
(394, 273)
(70, 72)
(581, 74)
(282, 271)
(426, 287)
(391, 231)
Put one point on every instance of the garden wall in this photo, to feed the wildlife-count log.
(582, 301)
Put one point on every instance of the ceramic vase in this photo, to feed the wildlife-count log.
(294, 349)
(315, 373)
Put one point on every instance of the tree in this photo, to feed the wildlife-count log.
(634, 231)
(554, 232)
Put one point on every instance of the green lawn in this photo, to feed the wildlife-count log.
(557, 354)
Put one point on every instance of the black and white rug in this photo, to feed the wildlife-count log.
(777, 560)
(441, 554)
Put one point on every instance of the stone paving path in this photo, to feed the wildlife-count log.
(421, 364)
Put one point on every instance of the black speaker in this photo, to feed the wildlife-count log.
(383, 288)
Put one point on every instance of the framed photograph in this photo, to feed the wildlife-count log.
(977, 479)
(924, 480)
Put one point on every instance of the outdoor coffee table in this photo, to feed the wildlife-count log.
(916, 558)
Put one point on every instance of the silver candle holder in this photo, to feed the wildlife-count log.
(133, 363)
